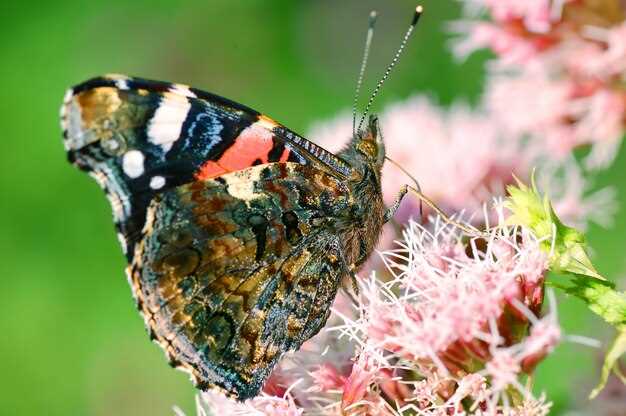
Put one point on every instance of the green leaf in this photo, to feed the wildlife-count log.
(615, 351)
(608, 303)
(567, 252)
(565, 245)
(600, 296)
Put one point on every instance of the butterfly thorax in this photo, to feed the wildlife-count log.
(363, 231)
(365, 154)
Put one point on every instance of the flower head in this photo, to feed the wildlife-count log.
(215, 403)
(562, 64)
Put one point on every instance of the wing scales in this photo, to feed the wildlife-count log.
(222, 312)
(140, 138)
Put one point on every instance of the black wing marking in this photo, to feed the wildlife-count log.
(139, 138)
(234, 271)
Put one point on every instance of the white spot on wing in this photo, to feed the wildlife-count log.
(167, 122)
(157, 182)
(122, 84)
(100, 177)
(122, 241)
(182, 90)
(241, 184)
(150, 217)
(132, 163)
(117, 205)
(266, 123)
(69, 94)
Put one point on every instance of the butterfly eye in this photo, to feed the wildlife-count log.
(368, 148)
(115, 145)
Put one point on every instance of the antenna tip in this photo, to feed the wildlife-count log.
(373, 16)
(418, 12)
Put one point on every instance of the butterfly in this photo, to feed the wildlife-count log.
(237, 231)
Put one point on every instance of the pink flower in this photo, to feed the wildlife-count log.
(447, 297)
(615, 56)
(602, 122)
(559, 73)
(326, 377)
(536, 15)
(215, 403)
(544, 336)
(503, 369)
(507, 45)
(514, 104)
(520, 32)
(357, 384)
(453, 309)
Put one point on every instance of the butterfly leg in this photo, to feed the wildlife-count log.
(351, 271)
(391, 211)
(354, 294)
(355, 283)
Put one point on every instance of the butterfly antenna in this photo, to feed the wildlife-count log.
(366, 53)
(416, 17)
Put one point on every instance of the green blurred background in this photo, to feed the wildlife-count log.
(72, 342)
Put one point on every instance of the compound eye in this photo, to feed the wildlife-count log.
(368, 147)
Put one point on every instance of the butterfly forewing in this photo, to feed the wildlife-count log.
(139, 138)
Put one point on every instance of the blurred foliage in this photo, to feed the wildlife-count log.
(72, 340)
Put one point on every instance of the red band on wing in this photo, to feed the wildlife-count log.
(285, 155)
(253, 143)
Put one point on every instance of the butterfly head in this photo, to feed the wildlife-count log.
(370, 143)
(366, 151)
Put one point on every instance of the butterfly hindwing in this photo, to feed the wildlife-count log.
(231, 272)
(139, 138)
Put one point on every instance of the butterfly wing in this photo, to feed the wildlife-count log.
(139, 138)
(232, 272)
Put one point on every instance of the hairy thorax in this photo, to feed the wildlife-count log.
(363, 230)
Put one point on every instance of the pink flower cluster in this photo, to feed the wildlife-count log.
(560, 72)
(213, 403)
(453, 331)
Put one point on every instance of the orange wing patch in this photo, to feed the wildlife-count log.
(253, 144)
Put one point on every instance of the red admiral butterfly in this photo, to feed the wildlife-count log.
(237, 230)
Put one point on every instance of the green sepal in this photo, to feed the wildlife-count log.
(565, 245)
